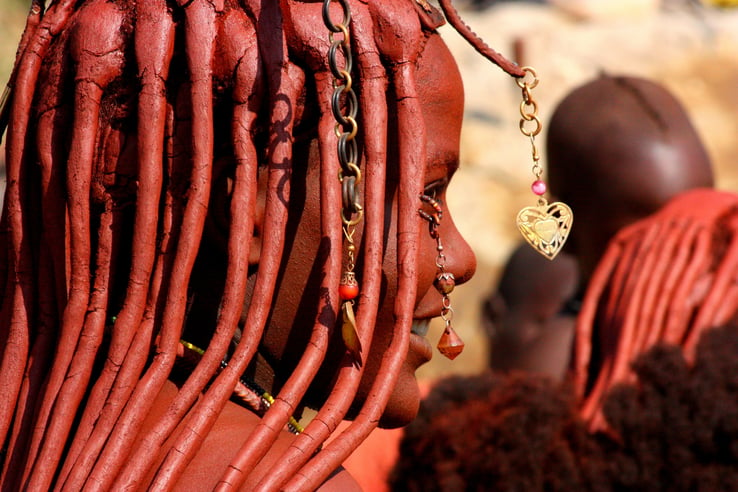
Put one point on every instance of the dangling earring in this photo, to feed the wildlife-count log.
(450, 344)
(349, 175)
(545, 226)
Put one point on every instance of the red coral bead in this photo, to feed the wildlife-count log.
(348, 291)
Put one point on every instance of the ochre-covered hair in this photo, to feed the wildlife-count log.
(120, 113)
(664, 279)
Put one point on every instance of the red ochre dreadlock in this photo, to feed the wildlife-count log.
(88, 340)
(664, 279)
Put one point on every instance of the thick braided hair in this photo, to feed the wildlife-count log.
(664, 279)
(121, 114)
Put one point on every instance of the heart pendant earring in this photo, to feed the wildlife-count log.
(544, 226)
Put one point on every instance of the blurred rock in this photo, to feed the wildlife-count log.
(607, 9)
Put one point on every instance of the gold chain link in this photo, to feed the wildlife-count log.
(529, 113)
(345, 106)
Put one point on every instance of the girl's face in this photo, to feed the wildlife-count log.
(441, 97)
(440, 93)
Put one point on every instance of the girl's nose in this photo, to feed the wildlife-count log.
(460, 259)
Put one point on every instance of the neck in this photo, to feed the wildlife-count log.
(251, 391)
(261, 373)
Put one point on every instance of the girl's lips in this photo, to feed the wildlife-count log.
(420, 349)
(420, 327)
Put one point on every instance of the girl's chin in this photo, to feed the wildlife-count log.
(402, 407)
(404, 402)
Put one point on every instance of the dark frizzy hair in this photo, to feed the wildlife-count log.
(495, 431)
(673, 428)
(88, 339)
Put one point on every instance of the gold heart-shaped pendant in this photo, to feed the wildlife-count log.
(546, 226)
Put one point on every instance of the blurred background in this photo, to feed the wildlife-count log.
(689, 46)
(12, 19)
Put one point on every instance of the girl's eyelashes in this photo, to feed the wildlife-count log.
(436, 188)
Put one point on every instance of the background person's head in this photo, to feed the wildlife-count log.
(618, 148)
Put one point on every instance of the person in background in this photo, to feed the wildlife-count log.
(620, 147)
(670, 429)
(653, 397)
(529, 319)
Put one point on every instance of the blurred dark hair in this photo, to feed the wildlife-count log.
(675, 428)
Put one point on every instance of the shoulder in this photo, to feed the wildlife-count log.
(224, 440)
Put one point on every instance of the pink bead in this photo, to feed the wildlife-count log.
(538, 187)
